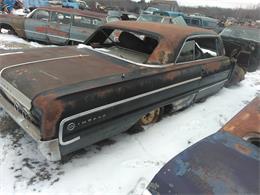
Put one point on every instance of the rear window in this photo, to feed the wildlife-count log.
(124, 44)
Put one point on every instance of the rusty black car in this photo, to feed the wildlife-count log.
(226, 162)
(244, 44)
(67, 98)
(54, 25)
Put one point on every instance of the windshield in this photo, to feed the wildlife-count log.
(150, 18)
(242, 33)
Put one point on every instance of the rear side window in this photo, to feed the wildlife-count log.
(41, 15)
(187, 52)
(61, 18)
(200, 48)
(86, 22)
(207, 47)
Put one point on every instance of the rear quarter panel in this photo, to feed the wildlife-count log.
(16, 22)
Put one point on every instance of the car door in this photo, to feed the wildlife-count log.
(216, 68)
(59, 28)
(36, 25)
(205, 54)
(82, 27)
(189, 68)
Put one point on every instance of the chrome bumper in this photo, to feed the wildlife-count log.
(49, 149)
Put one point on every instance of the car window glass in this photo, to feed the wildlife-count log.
(206, 48)
(82, 21)
(41, 15)
(209, 24)
(195, 22)
(61, 18)
(124, 44)
(187, 52)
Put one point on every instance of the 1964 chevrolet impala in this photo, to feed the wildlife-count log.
(67, 98)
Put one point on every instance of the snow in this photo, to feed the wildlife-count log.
(13, 42)
(123, 164)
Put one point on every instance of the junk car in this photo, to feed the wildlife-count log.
(244, 44)
(226, 162)
(53, 25)
(203, 22)
(70, 97)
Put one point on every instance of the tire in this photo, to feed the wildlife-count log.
(237, 76)
(254, 64)
(151, 117)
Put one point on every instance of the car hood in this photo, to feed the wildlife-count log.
(219, 164)
(35, 71)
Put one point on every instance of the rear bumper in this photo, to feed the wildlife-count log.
(49, 149)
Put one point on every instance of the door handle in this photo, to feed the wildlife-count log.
(203, 72)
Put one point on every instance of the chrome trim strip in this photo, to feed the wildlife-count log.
(7, 54)
(39, 61)
(129, 61)
(66, 38)
(15, 94)
(30, 31)
(77, 40)
(112, 105)
(208, 87)
(47, 34)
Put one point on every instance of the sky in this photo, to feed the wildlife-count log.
(220, 3)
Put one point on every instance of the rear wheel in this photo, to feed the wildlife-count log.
(151, 117)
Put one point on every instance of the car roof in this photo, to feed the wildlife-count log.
(166, 31)
(171, 37)
(75, 11)
(203, 18)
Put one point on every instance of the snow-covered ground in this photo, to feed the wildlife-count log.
(114, 166)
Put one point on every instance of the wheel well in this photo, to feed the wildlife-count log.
(7, 27)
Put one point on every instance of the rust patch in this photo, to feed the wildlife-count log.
(51, 110)
(243, 149)
(247, 121)
(212, 67)
(41, 29)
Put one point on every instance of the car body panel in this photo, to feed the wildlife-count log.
(16, 22)
(223, 163)
(219, 164)
(246, 122)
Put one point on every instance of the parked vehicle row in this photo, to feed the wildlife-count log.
(68, 98)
